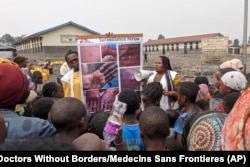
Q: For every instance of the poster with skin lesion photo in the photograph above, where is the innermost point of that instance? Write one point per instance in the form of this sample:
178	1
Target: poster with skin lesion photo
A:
107	66
109	52
129	55
90	54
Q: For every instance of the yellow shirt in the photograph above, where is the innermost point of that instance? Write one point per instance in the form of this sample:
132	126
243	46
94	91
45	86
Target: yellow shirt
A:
76	87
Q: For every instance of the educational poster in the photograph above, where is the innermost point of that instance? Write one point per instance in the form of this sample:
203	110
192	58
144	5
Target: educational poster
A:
107	65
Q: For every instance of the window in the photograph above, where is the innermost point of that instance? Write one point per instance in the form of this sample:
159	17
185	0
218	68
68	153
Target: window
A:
172	47
197	45
167	47
157	48
163	49
177	47
191	46
68	38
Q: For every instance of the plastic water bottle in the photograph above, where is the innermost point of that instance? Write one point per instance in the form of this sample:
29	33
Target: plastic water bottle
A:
113	124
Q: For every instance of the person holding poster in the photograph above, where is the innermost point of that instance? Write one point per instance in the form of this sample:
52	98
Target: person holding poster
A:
71	80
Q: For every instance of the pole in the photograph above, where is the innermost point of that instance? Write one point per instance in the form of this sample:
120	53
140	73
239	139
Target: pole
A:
244	57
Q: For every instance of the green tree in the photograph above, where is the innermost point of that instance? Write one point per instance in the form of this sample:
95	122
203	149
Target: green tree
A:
20	37
161	36
236	42
7	39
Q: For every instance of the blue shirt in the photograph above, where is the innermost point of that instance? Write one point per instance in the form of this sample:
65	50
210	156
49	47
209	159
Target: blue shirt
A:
21	127
27	74
132	138
178	126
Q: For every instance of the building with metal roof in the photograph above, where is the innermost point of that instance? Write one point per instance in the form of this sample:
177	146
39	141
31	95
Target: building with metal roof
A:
52	43
179	45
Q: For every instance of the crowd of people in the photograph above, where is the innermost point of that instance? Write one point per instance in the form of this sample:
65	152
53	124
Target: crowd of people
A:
52	116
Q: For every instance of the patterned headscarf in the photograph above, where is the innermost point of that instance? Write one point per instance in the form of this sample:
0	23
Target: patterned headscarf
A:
235	80
205	132
236	129
204	88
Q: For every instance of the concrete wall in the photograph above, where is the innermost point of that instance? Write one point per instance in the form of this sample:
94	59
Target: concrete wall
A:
49	53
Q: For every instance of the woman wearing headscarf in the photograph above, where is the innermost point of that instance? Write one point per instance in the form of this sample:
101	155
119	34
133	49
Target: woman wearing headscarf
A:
233	81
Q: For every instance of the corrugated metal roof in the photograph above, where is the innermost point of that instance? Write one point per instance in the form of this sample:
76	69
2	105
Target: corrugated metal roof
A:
5	47
193	38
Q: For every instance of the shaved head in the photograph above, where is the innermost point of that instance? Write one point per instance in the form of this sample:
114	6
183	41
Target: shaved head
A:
89	142
66	113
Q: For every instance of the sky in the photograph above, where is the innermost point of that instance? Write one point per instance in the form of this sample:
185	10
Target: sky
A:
171	18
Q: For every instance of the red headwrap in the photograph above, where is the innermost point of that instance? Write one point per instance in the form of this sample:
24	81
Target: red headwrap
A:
13	84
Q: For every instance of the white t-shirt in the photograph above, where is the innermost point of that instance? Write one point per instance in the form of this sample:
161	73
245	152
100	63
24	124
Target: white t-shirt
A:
64	69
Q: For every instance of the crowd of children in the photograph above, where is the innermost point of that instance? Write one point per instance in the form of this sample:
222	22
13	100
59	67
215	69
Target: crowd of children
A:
39	116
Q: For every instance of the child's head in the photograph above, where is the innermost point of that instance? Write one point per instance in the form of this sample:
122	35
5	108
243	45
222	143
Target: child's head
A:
69	114
97	123
186	92
154	125
53	89
201	80
42	106
37	77
151	94
172	117
229	101
131	98
90	142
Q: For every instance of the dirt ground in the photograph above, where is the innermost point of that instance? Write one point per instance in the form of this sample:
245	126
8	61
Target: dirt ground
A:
189	66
